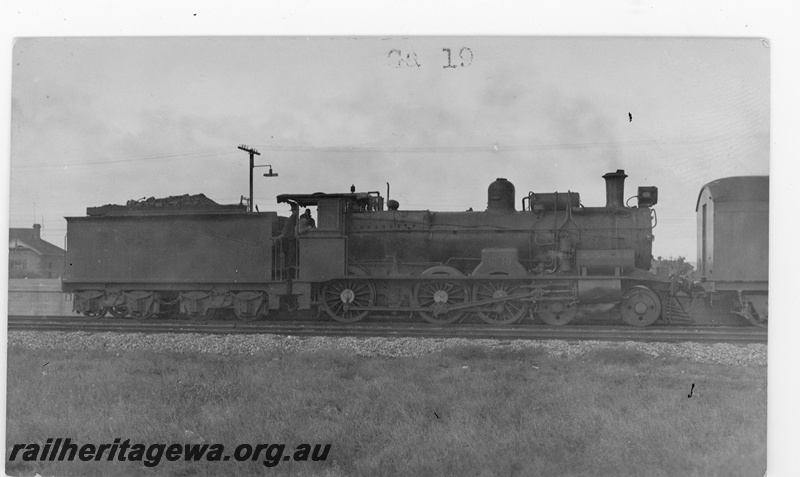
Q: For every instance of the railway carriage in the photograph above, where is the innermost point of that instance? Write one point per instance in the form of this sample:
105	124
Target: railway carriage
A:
733	245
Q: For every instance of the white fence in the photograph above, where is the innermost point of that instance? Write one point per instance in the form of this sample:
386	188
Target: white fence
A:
38	297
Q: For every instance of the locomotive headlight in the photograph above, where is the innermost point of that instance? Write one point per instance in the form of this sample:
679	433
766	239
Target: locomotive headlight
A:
647	196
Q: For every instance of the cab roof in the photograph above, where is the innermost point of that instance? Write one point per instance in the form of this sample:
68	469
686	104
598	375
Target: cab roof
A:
306	200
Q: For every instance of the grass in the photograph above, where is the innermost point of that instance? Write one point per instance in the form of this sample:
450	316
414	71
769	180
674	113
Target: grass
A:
465	411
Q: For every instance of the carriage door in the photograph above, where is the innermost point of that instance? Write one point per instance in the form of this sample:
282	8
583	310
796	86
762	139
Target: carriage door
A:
704	243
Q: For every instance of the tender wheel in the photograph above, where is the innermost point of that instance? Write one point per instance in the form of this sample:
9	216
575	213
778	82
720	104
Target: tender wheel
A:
145	314
556	312
504	312
339	297
244	316
118	311
437	295
95	314
640	306
250	305
197	316
141	315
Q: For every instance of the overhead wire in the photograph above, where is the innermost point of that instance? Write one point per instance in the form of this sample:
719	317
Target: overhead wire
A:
193	154
484	148
229	150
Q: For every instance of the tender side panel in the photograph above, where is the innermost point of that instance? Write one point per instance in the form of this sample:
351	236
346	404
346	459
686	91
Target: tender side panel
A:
214	248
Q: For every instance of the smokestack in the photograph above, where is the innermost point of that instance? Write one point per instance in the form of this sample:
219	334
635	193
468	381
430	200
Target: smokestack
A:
615	188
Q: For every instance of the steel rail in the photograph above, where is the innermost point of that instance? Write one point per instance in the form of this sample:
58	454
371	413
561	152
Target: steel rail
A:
708	334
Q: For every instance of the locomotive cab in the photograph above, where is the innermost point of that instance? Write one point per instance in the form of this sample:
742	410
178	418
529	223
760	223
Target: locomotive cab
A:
322	250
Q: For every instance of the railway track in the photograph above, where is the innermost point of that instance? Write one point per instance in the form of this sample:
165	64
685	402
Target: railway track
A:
709	334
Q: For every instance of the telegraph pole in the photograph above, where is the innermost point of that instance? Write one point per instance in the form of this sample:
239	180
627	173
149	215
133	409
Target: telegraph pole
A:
253	153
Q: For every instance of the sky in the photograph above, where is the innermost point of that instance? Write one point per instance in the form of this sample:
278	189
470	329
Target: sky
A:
104	120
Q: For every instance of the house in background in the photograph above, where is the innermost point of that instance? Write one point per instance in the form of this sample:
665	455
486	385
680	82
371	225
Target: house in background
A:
31	257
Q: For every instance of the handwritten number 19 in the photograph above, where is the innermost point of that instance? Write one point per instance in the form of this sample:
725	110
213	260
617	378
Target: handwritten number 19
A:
399	59
465	54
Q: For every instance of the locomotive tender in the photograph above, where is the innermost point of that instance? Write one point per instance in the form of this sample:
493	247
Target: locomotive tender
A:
548	259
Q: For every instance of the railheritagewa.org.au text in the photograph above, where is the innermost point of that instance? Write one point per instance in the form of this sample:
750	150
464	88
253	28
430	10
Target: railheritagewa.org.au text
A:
60	449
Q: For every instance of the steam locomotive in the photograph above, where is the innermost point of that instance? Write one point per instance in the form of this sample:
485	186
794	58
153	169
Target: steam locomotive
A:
363	256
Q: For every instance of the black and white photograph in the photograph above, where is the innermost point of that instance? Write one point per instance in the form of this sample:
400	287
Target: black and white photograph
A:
399	254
